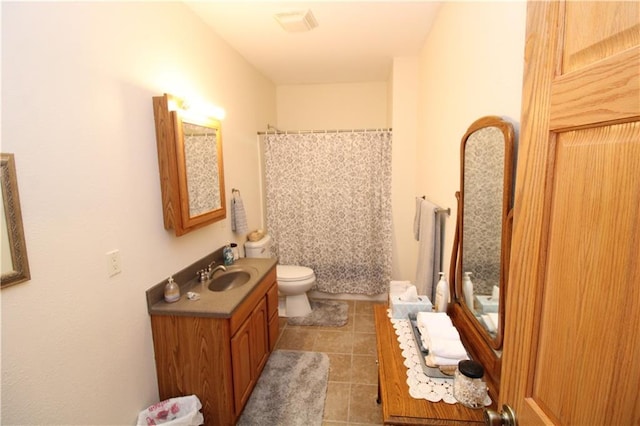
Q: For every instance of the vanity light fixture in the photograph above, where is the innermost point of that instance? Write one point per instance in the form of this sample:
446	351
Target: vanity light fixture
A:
195	109
296	22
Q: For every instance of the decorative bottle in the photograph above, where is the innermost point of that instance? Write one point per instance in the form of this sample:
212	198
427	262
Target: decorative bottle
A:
467	290
171	291
227	254
442	294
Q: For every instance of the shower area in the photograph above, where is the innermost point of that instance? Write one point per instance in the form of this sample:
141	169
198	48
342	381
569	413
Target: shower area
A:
328	205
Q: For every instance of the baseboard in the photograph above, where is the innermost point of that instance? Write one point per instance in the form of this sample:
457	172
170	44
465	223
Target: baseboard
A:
314	294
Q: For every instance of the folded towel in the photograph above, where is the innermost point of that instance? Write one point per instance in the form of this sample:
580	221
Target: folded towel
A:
493	316
447	348
435	333
488	323
416	219
436	361
426	319
238	215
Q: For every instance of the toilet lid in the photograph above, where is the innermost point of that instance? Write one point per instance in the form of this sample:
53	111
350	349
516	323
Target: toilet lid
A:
293	272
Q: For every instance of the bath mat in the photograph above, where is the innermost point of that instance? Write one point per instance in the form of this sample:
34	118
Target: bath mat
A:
290	391
325	313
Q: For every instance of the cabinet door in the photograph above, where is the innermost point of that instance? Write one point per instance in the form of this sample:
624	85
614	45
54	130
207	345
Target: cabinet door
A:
259	337
272	313
243	367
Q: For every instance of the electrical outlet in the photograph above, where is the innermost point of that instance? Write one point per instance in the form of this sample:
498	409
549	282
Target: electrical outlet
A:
113	263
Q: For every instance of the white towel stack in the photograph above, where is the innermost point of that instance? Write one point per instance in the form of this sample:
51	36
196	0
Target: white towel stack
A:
441	338
238	215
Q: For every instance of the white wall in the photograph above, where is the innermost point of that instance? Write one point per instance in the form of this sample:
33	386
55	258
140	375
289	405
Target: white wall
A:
470	66
332	106
405	126
77	83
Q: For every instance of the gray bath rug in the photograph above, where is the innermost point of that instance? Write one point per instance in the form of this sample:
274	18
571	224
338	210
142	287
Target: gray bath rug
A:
326	313
290	391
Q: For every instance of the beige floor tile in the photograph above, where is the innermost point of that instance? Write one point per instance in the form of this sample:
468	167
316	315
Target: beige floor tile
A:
365	307
333	342
353	374
362	405
364	343
339	367
297	339
364	370
364	324
336	406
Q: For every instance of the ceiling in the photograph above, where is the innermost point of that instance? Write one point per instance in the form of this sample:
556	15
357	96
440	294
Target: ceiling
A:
355	41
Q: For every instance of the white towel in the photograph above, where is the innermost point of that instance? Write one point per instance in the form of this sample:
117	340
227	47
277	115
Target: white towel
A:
435	332
425	319
416	219
238	215
447	348
432	360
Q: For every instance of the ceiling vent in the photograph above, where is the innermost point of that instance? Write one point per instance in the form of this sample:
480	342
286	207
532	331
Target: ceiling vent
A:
296	22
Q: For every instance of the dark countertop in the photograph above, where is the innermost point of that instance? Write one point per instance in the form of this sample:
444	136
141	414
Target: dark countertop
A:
211	303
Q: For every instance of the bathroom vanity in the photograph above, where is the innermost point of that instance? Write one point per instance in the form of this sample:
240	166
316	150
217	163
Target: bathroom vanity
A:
217	346
398	407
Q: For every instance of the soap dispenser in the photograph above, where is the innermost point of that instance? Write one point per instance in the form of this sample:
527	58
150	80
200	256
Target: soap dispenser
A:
171	291
442	294
467	290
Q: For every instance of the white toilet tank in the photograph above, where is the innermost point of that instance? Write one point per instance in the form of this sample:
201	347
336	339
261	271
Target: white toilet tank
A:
260	248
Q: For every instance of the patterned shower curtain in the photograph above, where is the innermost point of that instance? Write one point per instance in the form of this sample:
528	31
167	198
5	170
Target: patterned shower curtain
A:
329	206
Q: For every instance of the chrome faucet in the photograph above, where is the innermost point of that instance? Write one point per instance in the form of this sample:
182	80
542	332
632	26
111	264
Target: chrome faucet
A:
212	270
206	273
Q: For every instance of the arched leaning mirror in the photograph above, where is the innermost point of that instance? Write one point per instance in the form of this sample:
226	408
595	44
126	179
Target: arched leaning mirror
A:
191	166
480	258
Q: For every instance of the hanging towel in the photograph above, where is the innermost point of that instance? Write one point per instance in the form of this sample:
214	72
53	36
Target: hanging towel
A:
424	270
238	215
416	219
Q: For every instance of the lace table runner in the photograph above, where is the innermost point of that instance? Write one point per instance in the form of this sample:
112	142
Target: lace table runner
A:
421	386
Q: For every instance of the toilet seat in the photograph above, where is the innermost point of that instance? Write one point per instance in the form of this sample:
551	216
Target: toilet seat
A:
293	273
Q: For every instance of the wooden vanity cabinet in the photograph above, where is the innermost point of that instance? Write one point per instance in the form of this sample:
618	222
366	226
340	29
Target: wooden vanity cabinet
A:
217	359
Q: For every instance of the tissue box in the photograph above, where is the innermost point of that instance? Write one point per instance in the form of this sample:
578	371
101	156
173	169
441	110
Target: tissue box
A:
486	304
401	309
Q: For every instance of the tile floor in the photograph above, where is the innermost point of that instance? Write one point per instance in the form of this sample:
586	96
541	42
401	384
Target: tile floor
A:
353	373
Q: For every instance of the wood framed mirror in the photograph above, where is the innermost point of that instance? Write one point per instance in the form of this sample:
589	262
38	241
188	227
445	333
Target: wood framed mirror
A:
191	166
15	264
482	241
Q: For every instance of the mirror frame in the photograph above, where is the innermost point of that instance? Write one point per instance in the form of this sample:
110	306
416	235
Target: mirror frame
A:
477	339
15	229
169	119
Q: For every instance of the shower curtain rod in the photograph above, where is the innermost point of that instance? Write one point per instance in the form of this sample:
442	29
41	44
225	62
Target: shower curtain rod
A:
273	131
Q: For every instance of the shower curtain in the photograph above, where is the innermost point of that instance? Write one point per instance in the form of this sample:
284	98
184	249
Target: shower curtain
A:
328	199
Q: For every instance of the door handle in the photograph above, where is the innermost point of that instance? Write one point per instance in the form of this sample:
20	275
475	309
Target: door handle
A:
506	417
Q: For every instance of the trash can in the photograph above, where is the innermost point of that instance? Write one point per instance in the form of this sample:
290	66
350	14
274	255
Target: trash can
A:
179	411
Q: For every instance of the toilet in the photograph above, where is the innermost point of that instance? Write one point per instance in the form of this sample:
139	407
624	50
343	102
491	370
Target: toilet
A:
293	281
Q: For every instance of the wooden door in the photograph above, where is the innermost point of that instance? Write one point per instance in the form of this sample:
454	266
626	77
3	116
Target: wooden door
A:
572	342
